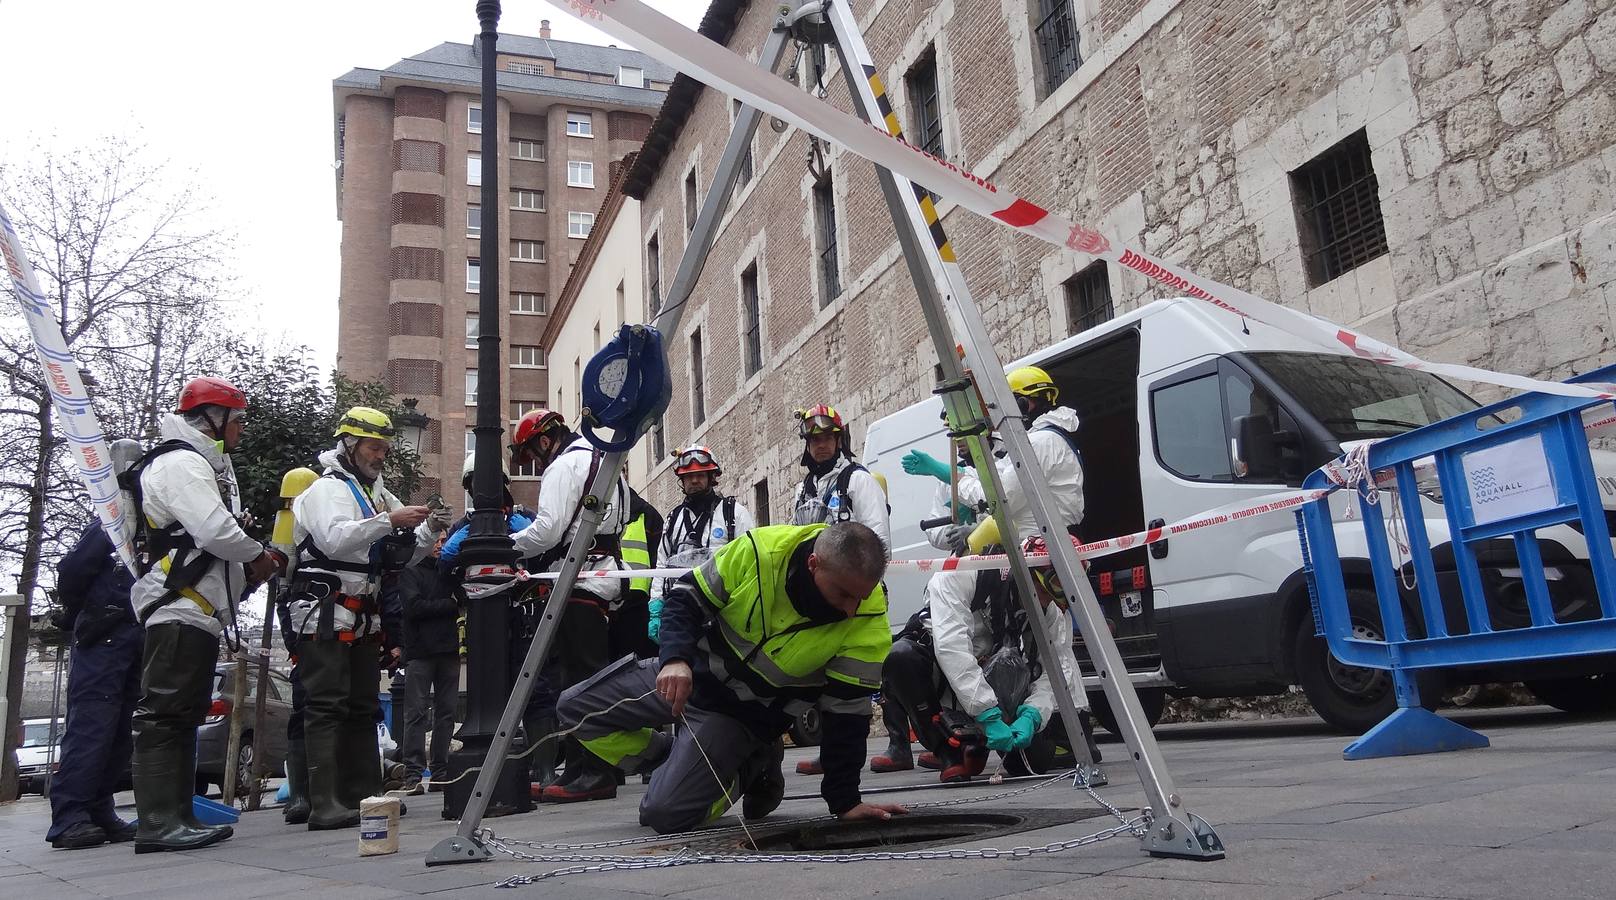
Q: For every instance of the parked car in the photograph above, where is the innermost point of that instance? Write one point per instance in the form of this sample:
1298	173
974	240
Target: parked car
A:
1185	408
39	753
213	738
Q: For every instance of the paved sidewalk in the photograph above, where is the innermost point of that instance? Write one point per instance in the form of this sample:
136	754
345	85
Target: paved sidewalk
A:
1535	814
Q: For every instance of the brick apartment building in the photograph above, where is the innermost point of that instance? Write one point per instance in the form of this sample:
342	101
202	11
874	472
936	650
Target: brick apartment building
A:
1438	174
408	142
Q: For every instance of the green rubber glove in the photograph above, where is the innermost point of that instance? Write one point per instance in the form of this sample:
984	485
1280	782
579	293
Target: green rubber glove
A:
653	628
1000	737
919	462
1028	721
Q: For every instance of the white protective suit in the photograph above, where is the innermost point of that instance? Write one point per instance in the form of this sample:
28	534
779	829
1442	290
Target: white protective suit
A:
556	520
960	638
199	491
1061	466
867	503
341	527
689	539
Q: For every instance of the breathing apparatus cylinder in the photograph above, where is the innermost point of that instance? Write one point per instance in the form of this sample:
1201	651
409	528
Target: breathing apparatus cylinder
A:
293	483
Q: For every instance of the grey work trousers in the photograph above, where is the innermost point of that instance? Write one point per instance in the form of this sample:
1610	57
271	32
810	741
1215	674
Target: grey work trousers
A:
437	677
684	793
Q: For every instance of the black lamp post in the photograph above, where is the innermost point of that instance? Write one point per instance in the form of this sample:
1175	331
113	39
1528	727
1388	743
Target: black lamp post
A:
488	677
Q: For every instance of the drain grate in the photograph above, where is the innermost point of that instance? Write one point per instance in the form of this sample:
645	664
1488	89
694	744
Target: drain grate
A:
917	830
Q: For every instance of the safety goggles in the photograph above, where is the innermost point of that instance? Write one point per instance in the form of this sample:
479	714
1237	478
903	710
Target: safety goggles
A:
695	458
1049	581
819	425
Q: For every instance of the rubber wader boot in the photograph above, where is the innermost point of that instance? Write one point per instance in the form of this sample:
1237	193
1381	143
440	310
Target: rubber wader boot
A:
765	783
1086	723
543	768
164	764
296	810
326	808
163	792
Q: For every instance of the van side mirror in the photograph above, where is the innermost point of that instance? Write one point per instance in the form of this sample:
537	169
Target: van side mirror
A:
1257	447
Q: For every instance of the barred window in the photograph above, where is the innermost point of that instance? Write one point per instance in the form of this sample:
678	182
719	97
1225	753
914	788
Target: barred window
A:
830	278
692	209
1088	298
698	381
417	156
527	251
925	103
1338	210
527	356
1056	37
752	321
416	263
735	107
417	209
525	302
522	68
653	274
528	149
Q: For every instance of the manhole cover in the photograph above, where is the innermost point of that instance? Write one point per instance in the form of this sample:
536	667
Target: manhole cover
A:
916	830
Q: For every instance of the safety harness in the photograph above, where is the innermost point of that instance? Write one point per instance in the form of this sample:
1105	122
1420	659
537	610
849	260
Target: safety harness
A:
153	543
326	589
835	497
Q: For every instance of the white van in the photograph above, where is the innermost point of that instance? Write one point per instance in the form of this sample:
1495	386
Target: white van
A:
1184	408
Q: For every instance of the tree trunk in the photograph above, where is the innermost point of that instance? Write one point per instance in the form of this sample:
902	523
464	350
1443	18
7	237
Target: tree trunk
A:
26	583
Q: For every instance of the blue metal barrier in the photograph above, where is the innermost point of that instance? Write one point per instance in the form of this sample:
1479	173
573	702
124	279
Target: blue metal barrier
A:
1500	483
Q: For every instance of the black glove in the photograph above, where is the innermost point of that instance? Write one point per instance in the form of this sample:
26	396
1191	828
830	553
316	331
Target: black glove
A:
957	539
59	620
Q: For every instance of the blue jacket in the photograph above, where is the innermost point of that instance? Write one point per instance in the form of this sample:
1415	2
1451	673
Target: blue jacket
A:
94	586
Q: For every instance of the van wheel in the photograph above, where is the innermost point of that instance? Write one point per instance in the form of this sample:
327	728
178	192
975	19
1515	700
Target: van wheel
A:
805	732
1154	700
1587	695
1353	699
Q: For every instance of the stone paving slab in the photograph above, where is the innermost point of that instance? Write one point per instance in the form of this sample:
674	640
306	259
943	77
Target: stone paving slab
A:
1535	814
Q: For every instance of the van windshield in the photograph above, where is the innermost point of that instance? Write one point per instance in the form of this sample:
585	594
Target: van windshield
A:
1356	399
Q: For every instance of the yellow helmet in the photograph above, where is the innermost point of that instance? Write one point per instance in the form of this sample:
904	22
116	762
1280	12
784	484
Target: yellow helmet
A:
362	421
1030	381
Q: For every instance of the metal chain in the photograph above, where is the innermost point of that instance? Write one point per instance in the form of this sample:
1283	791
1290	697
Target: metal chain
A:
1138	826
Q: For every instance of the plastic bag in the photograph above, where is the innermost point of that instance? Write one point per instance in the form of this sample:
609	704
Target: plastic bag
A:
1007	672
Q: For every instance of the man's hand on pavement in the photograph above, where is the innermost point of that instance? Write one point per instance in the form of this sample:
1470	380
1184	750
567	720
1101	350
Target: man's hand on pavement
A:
879	811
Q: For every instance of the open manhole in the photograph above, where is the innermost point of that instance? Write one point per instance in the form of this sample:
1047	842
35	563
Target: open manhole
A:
917	830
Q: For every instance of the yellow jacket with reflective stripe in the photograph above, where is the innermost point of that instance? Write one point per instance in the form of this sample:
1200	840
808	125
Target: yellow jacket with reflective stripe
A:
635	545
784	652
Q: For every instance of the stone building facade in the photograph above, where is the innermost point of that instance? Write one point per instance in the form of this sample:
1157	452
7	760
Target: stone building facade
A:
409	142
1438	174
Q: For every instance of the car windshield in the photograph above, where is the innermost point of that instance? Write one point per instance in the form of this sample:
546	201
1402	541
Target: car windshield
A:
1357	399
35	734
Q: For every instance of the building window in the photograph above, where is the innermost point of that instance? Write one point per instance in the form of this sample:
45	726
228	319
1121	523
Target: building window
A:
471	443
474	221
472	331
527	356
1088	298
523	68
751	321
659	441
529	469
653	274
629	76
580	174
474	119
1338	210
1056	37
925	104
830	282
474	275
474	169
531	200
520	408
528	149
746	161
622	303
527	251
698	386
579	124
524	302
690	200
471	387
760	502
579	224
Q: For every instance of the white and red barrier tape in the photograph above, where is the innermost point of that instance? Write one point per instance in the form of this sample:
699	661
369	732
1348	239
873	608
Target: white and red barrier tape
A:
74	414
717	66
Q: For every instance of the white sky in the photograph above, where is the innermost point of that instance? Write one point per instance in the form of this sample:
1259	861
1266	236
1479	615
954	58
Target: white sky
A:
237	97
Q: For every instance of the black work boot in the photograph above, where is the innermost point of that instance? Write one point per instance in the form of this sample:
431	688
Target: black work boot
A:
296	811
163	794
594	780
765	783
80	836
326	807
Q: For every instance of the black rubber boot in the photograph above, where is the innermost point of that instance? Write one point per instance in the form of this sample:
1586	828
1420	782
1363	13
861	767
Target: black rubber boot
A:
296	811
766	786
178	670
593	782
326	807
1086	722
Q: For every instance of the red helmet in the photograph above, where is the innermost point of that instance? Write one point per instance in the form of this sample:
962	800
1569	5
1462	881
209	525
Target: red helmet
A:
207	391
695	459
535	423
820	419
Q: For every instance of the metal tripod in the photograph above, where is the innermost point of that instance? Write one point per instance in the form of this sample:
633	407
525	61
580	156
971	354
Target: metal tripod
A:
1175	830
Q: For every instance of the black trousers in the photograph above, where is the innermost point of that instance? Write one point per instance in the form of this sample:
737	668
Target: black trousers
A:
434	682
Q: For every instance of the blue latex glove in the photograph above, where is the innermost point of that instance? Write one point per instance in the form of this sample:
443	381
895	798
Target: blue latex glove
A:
653	628
1000	737
519	521
919	462
1028	721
